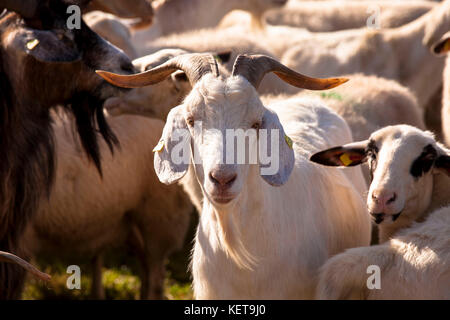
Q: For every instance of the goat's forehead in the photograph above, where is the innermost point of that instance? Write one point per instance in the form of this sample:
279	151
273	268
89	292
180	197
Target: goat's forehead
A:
225	95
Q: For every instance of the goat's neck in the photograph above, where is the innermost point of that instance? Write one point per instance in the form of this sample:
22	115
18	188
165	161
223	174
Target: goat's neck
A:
238	228
193	14
415	61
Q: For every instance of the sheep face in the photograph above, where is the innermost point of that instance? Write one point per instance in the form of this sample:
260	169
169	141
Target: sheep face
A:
402	161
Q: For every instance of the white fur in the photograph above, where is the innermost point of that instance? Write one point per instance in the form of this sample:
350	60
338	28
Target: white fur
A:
87	214
270	241
415	264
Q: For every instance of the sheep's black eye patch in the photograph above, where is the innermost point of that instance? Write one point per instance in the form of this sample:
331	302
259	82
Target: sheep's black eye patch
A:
424	162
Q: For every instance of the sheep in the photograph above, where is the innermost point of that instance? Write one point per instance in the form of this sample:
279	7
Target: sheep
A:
221	40
327	16
197	14
242	239
112	29
40	69
140	10
387	53
369	103
408	169
442	47
86	213
415	264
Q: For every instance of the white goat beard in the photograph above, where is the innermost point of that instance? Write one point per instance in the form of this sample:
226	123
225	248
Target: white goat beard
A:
229	236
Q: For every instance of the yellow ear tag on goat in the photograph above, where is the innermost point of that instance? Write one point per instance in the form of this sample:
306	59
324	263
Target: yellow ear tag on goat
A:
446	46
32	44
288	141
159	146
345	159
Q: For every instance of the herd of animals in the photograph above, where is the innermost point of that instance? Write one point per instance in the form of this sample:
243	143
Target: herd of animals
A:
364	117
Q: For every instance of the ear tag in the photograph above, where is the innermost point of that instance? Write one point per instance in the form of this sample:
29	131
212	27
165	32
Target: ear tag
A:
288	141
447	46
217	58
32	44
159	146
345	159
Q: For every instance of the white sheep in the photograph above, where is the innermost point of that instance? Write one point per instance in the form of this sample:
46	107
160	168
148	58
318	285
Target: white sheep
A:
442	47
261	233
326	16
415	264
87	213
112	29
396	54
408	169
175	16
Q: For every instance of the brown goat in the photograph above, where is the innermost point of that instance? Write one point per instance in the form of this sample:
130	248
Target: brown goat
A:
44	64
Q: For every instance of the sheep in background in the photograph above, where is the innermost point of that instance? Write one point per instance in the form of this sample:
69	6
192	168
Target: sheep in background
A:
415	264
369	103
242	239
40	69
442	47
408	169
112	29
387	53
87	213
326	16
139	10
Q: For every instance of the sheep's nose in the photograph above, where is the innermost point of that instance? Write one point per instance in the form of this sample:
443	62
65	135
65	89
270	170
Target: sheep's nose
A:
383	198
222	179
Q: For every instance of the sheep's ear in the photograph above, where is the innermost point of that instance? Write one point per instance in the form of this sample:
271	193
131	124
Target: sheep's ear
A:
443	164
443	45
349	155
173	152
276	154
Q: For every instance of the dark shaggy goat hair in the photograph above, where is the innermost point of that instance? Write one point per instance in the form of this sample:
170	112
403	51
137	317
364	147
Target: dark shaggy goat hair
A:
26	136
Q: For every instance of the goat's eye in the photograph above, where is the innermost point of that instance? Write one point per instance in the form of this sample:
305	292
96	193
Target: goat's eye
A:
190	121
256	125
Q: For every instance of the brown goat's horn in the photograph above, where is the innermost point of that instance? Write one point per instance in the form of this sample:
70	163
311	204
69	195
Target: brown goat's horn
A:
255	67
26	8
194	65
9	257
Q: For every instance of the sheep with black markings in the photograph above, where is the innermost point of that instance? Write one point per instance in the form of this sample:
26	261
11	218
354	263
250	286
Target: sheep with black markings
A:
408	169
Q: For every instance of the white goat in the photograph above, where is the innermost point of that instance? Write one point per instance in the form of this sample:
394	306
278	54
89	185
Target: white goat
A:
415	264
86	213
255	240
409	171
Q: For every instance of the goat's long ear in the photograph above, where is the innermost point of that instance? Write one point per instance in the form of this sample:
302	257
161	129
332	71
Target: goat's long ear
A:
442	46
349	155
276	152
173	152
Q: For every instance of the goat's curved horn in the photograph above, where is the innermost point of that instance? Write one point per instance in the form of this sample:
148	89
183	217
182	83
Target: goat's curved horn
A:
194	65
255	67
9	257
26	8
